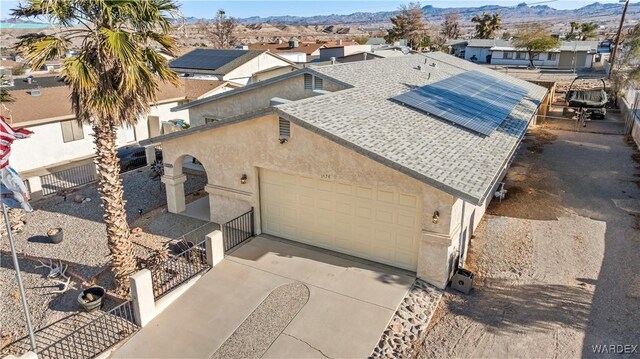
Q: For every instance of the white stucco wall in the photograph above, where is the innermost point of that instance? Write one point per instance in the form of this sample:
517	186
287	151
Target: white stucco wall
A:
497	59
229	152
243	74
45	148
256	99
480	53
327	53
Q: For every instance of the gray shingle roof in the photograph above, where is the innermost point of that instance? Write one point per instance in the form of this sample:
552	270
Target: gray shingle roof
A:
219	62
431	150
488	42
579	46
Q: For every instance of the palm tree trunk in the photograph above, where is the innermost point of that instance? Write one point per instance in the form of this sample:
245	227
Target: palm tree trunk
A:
110	186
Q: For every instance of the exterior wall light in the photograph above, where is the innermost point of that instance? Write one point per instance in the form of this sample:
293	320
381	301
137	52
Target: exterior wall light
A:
243	179
436	216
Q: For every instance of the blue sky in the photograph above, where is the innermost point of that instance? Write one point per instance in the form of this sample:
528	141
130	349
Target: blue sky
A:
240	8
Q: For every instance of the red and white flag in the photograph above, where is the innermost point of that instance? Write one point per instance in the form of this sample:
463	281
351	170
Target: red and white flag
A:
13	192
7	135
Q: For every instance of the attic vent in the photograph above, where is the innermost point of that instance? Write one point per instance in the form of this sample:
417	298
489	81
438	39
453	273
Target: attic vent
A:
308	82
318	84
285	130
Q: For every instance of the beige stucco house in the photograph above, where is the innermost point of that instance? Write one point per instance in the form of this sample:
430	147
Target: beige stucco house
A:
326	158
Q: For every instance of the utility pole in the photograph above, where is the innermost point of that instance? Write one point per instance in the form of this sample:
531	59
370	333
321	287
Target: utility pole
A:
617	42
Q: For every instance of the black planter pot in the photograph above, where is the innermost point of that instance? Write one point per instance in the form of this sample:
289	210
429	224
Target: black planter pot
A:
91	298
55	235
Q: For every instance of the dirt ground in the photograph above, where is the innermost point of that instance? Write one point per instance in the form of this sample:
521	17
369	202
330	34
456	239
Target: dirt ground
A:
556	260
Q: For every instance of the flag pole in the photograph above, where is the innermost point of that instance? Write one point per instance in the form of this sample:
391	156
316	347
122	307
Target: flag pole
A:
16	265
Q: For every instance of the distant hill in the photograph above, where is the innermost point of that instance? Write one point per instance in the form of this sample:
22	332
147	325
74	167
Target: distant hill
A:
509	13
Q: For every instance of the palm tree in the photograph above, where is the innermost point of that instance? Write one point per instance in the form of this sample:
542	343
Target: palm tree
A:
5	96
113	78
487	25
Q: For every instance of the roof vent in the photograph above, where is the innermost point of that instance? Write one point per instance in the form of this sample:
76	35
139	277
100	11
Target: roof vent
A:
333	60
419	67
35	92
339	42
279	41
434	65
293	44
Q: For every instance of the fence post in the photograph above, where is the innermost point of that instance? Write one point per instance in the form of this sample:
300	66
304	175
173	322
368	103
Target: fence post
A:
214	247
150	153
144	305
35	187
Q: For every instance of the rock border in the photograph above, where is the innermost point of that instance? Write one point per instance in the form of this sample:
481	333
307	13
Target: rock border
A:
410	321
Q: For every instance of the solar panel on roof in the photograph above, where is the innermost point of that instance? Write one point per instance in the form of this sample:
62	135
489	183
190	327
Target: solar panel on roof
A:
206	59
473	100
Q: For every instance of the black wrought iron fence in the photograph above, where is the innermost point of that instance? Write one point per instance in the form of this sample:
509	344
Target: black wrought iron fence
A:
80	336
178	269
238	230
69	178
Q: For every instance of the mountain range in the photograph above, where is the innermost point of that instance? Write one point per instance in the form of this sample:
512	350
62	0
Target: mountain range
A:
435	14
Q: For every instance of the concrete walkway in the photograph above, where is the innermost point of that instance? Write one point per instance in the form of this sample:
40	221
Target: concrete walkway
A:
350	304
198	209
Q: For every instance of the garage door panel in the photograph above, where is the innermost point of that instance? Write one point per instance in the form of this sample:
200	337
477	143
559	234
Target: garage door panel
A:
384	216
385	196
364	213
407	219
405	240
408	200
364	192
367	222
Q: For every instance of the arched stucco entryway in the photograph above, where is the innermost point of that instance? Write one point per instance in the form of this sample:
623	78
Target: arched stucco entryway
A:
175	177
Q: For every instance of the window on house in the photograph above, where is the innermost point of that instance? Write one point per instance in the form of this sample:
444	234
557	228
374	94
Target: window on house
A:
521	55
308	82
317	84
210	120
552	56
284	127
71	131
507	55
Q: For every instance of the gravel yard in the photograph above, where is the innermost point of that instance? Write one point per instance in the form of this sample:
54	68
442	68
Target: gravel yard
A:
84	248
556	261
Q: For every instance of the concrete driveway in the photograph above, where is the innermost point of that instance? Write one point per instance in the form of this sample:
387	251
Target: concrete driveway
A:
348	304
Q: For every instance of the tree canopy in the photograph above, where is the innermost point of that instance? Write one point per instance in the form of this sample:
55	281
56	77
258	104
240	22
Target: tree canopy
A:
113	78
588	30
408	24
534	38
487	25
450	27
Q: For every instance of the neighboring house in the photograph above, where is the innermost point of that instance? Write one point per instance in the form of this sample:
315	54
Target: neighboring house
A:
43	106
377	53
272	72
327	158
376	41
479	50
52	65
237	66
569	55
336	52
298	51
456	47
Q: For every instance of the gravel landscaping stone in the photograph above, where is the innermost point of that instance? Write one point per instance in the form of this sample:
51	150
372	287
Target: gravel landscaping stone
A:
402	337
262	327
84	247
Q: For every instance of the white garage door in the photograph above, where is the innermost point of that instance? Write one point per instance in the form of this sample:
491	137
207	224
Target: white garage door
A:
379	225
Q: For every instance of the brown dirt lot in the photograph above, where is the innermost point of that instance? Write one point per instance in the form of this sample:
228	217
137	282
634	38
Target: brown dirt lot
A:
549	280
